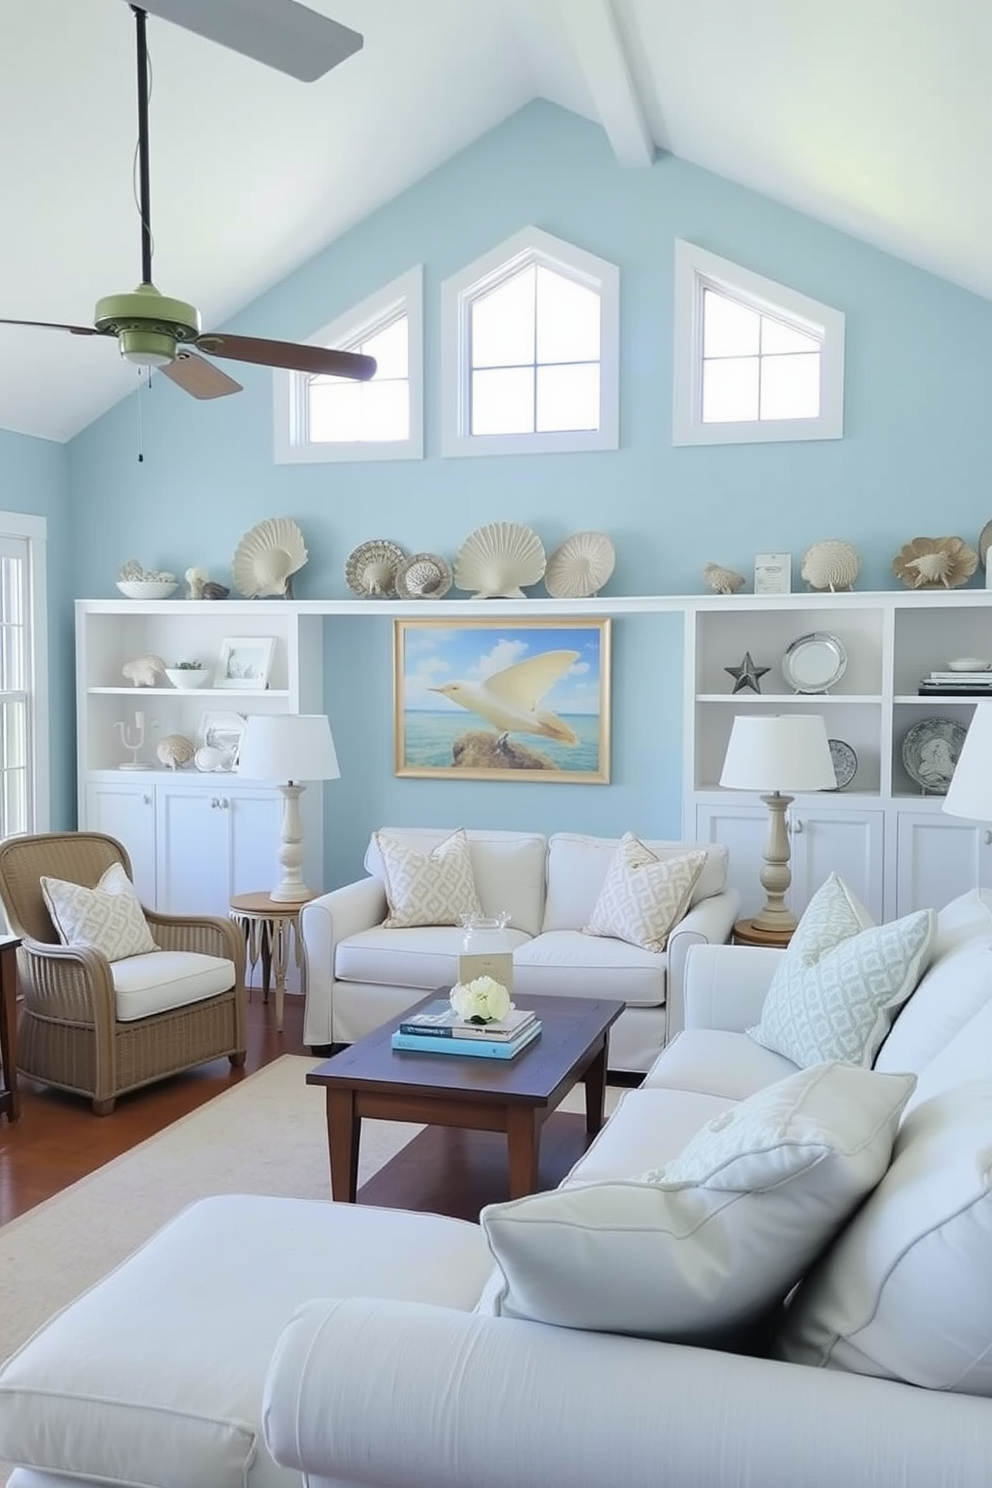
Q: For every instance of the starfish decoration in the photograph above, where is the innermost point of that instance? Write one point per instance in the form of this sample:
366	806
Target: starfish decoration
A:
747	674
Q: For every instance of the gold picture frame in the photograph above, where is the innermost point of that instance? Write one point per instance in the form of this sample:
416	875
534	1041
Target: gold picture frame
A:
502	699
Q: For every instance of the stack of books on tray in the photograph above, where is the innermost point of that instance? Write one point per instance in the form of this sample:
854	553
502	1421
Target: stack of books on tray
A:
438	1029
956	684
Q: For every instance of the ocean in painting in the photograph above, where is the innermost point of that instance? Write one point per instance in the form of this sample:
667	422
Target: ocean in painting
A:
429	737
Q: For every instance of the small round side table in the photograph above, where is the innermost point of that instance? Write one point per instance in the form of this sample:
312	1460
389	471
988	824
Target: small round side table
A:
747	933
272	930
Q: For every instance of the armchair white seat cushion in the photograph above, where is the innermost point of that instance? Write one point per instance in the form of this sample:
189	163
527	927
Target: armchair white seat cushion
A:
160	980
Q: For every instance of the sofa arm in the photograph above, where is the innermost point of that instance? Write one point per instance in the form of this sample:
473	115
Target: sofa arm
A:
406	1395
725	986
709	922
323	923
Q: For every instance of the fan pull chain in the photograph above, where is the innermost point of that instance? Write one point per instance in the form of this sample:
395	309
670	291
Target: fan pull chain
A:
144	380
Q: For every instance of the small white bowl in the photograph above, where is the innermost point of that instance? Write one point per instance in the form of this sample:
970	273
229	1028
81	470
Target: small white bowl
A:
186	680
968	664
147	588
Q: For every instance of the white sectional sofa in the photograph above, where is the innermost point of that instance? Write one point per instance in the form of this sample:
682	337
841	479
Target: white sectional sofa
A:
256	1340
359	974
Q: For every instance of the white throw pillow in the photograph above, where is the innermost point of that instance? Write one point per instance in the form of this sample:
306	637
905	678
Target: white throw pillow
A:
949	995
643	896
842	979
434	888
107	918
717	1236
964	918
905	1291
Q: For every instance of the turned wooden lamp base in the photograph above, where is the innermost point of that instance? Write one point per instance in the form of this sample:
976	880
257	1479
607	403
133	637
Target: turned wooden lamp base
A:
776	875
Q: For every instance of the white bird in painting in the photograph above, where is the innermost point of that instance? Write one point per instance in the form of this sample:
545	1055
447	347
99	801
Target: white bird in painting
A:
509	699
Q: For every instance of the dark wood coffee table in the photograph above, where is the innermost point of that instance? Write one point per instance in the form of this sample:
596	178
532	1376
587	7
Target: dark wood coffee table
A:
514	1096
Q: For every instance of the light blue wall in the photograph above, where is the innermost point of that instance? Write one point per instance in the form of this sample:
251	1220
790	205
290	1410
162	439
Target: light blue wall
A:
913	460
34	480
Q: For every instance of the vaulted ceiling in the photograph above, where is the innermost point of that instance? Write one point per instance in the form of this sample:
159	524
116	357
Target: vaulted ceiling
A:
872	115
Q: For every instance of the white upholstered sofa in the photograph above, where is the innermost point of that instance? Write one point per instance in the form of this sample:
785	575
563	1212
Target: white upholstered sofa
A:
359	974
254	1340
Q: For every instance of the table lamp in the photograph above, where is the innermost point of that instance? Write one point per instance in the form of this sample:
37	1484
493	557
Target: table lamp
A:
775	753
289	748
970	791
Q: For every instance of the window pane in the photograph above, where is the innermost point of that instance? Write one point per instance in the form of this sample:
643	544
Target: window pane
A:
502	323
776	337
729	329
567	397
567	322
503	401
13	768
730	390
335	410
386	410
390	347
790	386
11	589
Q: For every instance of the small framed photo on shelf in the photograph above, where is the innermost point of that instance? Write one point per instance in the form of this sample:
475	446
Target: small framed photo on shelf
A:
220	735
773	573
244	663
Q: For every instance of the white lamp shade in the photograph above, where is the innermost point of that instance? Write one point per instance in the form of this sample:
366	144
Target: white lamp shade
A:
970	790
288	746
779	752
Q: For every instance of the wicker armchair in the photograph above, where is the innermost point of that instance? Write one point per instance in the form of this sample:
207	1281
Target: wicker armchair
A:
70	1035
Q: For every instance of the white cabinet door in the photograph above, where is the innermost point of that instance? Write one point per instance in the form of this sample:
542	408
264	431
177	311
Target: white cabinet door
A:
213	843
938	857
828	840
744	831
126	811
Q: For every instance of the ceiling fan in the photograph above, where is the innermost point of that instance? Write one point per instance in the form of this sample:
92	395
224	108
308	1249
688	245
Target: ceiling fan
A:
153	330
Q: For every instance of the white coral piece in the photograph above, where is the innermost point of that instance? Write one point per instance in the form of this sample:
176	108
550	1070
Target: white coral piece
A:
722	580
144	671
831	565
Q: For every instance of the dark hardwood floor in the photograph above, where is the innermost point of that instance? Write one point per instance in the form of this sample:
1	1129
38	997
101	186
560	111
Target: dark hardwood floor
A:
58	1139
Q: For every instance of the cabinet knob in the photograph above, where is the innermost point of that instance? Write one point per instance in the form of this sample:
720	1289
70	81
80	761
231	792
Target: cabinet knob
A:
214	803
988	839
146	800
797	827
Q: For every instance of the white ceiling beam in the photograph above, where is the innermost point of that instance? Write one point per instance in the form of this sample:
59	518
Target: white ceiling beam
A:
595	37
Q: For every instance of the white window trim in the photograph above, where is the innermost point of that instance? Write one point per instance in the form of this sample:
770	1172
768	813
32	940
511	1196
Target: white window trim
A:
34	530
530	245
290	388
697	270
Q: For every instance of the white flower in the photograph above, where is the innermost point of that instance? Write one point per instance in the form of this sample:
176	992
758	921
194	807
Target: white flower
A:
480	1001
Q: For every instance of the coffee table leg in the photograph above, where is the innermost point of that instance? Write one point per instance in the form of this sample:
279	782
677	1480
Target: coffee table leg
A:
523	1141
595	1082
343	1132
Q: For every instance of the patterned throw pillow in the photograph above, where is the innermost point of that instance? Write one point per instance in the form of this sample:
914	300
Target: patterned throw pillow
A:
108	918
842	980
643	897
435	888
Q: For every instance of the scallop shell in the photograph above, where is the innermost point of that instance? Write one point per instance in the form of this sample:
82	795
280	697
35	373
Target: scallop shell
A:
722	580
175	750
832	564
580	566
424	576
984	539
267	556
144	671
935	563
495	560
371	569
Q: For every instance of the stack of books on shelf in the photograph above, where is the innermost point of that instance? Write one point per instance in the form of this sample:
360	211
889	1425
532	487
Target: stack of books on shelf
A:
438	1029
956	684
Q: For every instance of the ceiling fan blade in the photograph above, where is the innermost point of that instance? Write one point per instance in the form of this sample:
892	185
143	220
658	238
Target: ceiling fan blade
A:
199	378
317	360
281	33
52	325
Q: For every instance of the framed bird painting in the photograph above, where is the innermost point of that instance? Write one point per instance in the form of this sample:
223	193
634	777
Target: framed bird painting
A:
502	699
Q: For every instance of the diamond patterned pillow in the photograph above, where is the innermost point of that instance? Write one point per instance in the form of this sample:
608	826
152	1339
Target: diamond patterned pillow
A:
435	888
108	918
643	897
842	980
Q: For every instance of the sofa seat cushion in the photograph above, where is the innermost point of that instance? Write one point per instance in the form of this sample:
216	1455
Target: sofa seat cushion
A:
167	979
568	963
716	1062
708	1242
578	865
905	1291
155	1375
426	956
508	868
